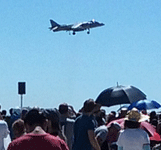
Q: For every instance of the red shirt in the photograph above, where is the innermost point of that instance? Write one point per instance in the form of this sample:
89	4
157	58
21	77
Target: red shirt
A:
38	142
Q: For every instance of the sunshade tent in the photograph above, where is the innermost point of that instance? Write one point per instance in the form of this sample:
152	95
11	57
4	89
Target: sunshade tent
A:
120	95
144	105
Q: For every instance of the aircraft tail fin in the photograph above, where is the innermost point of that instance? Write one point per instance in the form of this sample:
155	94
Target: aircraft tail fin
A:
54	24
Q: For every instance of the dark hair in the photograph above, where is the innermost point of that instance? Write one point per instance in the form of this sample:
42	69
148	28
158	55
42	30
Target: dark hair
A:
53	116
113	112
159	116
4	112
63	108
11	111
34	116
152	114
131	124
103	113
89	105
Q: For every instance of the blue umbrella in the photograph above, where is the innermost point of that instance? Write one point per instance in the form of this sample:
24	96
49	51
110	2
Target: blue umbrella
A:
144	105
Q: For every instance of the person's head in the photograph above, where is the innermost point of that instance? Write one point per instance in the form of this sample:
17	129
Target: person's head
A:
123	112
103	113
89	106
23	113
11	111
114	113
101	134
71	112
63	108
35	118
4	112
99	112
144	112
53	117
133	118
113	132
152	114
110	117
114	127
18	128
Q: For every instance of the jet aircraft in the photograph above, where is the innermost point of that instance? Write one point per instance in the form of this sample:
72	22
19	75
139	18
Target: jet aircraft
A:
75	27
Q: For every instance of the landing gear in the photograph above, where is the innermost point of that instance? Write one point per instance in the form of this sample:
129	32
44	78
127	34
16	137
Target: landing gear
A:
73	33
88	32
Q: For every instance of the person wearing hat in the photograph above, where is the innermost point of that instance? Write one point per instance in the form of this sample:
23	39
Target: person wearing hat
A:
133	137
84	137
36	137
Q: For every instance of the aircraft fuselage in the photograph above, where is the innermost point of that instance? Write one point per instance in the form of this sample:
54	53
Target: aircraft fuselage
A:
75	27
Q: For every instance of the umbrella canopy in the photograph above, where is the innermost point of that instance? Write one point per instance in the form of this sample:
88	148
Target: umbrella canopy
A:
144	105
124	106
120	95
154	136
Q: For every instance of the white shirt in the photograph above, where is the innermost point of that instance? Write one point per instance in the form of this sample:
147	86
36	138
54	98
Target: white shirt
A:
133	139
3	133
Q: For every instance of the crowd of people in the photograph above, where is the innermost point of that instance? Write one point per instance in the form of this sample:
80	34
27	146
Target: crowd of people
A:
90	128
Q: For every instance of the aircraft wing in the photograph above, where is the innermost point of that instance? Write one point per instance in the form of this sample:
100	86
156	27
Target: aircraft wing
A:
77	27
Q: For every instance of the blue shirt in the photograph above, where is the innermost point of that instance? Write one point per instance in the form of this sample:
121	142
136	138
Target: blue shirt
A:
81	126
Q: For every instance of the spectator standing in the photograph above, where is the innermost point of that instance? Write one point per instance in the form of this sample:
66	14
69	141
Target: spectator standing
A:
84	137
110	117
67	122
109	135
152	115
3	113
132	137
37	138
122	113
101	134
158	129
100	117
53	126
15	114
18	128
4	132
24	111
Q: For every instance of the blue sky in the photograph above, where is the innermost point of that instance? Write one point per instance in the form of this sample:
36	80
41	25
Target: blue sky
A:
58	67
